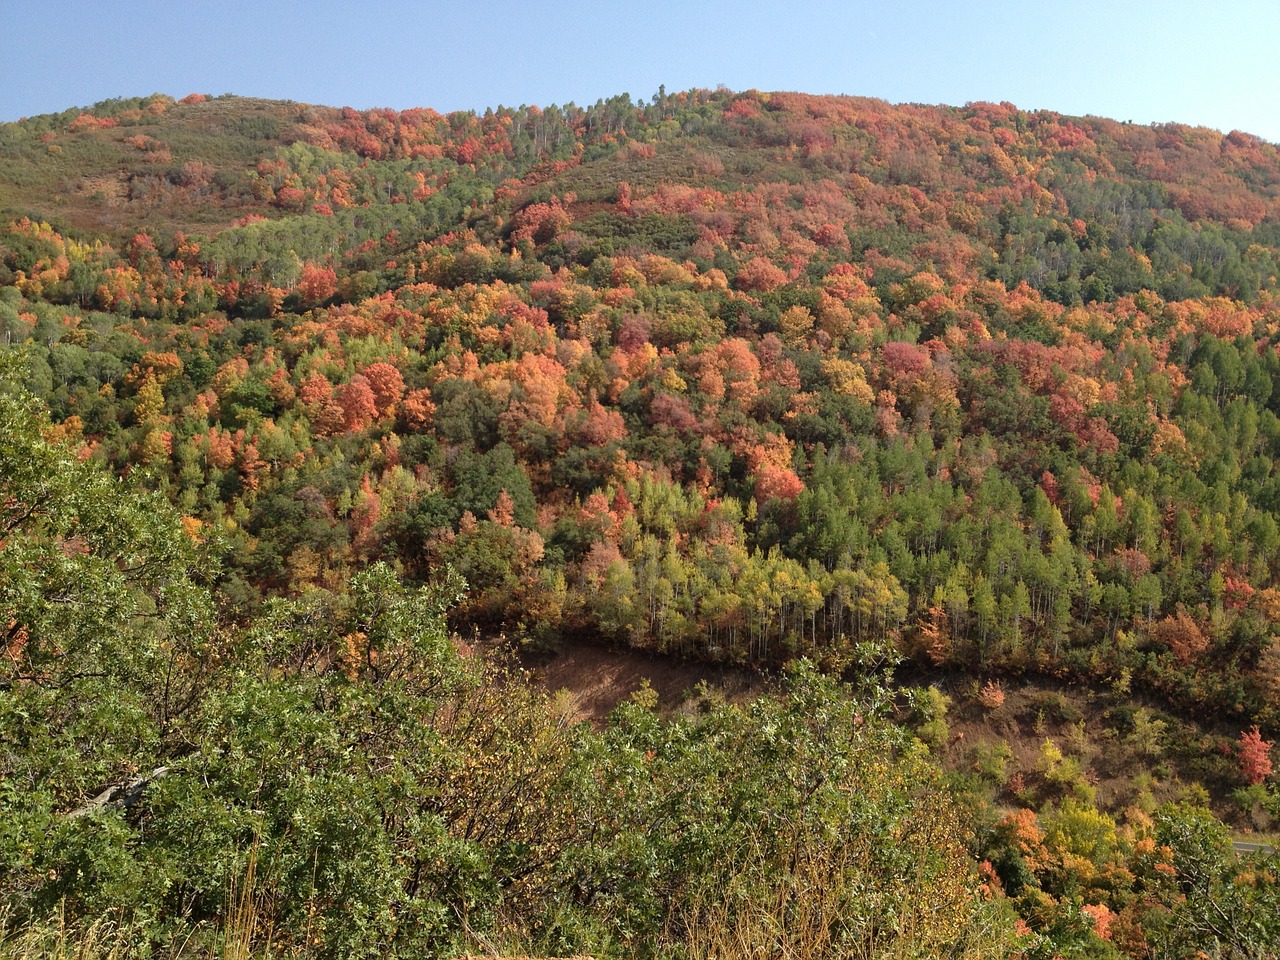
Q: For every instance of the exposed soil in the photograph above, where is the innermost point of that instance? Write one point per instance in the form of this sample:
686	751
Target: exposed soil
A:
1090	725
113	189
1096	730
599	677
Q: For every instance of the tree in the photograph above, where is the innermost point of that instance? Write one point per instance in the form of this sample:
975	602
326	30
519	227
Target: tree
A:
776	483
316	285
818	763
417	409
1182	635
358	402
759	275
387	385
1255	757
106	635
1209	907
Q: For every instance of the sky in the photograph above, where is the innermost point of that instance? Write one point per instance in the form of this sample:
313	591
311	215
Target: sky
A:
1210	63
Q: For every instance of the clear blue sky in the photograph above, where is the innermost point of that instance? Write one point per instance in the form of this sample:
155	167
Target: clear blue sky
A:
1212	62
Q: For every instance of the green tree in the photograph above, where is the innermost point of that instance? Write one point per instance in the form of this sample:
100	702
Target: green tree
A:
107	636
1216	905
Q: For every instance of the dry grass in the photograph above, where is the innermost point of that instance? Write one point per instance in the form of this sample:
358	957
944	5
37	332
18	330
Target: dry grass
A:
826	905
58	940
245	935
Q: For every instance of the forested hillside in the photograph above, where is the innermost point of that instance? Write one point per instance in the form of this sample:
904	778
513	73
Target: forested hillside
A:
740	377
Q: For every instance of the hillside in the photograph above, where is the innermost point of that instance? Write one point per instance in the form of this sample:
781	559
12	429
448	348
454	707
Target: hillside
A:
741	378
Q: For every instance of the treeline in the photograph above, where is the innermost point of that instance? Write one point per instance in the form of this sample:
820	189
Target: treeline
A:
693	463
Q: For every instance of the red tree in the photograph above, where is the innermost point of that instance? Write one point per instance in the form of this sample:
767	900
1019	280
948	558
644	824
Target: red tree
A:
776	483
359	408
759	275
418	409
601	425
387	385
364	516
317	284
315	392
1182	635
1255	756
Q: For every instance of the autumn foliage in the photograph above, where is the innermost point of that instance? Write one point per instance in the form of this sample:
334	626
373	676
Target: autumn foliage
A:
738	377
923	387
1255	757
